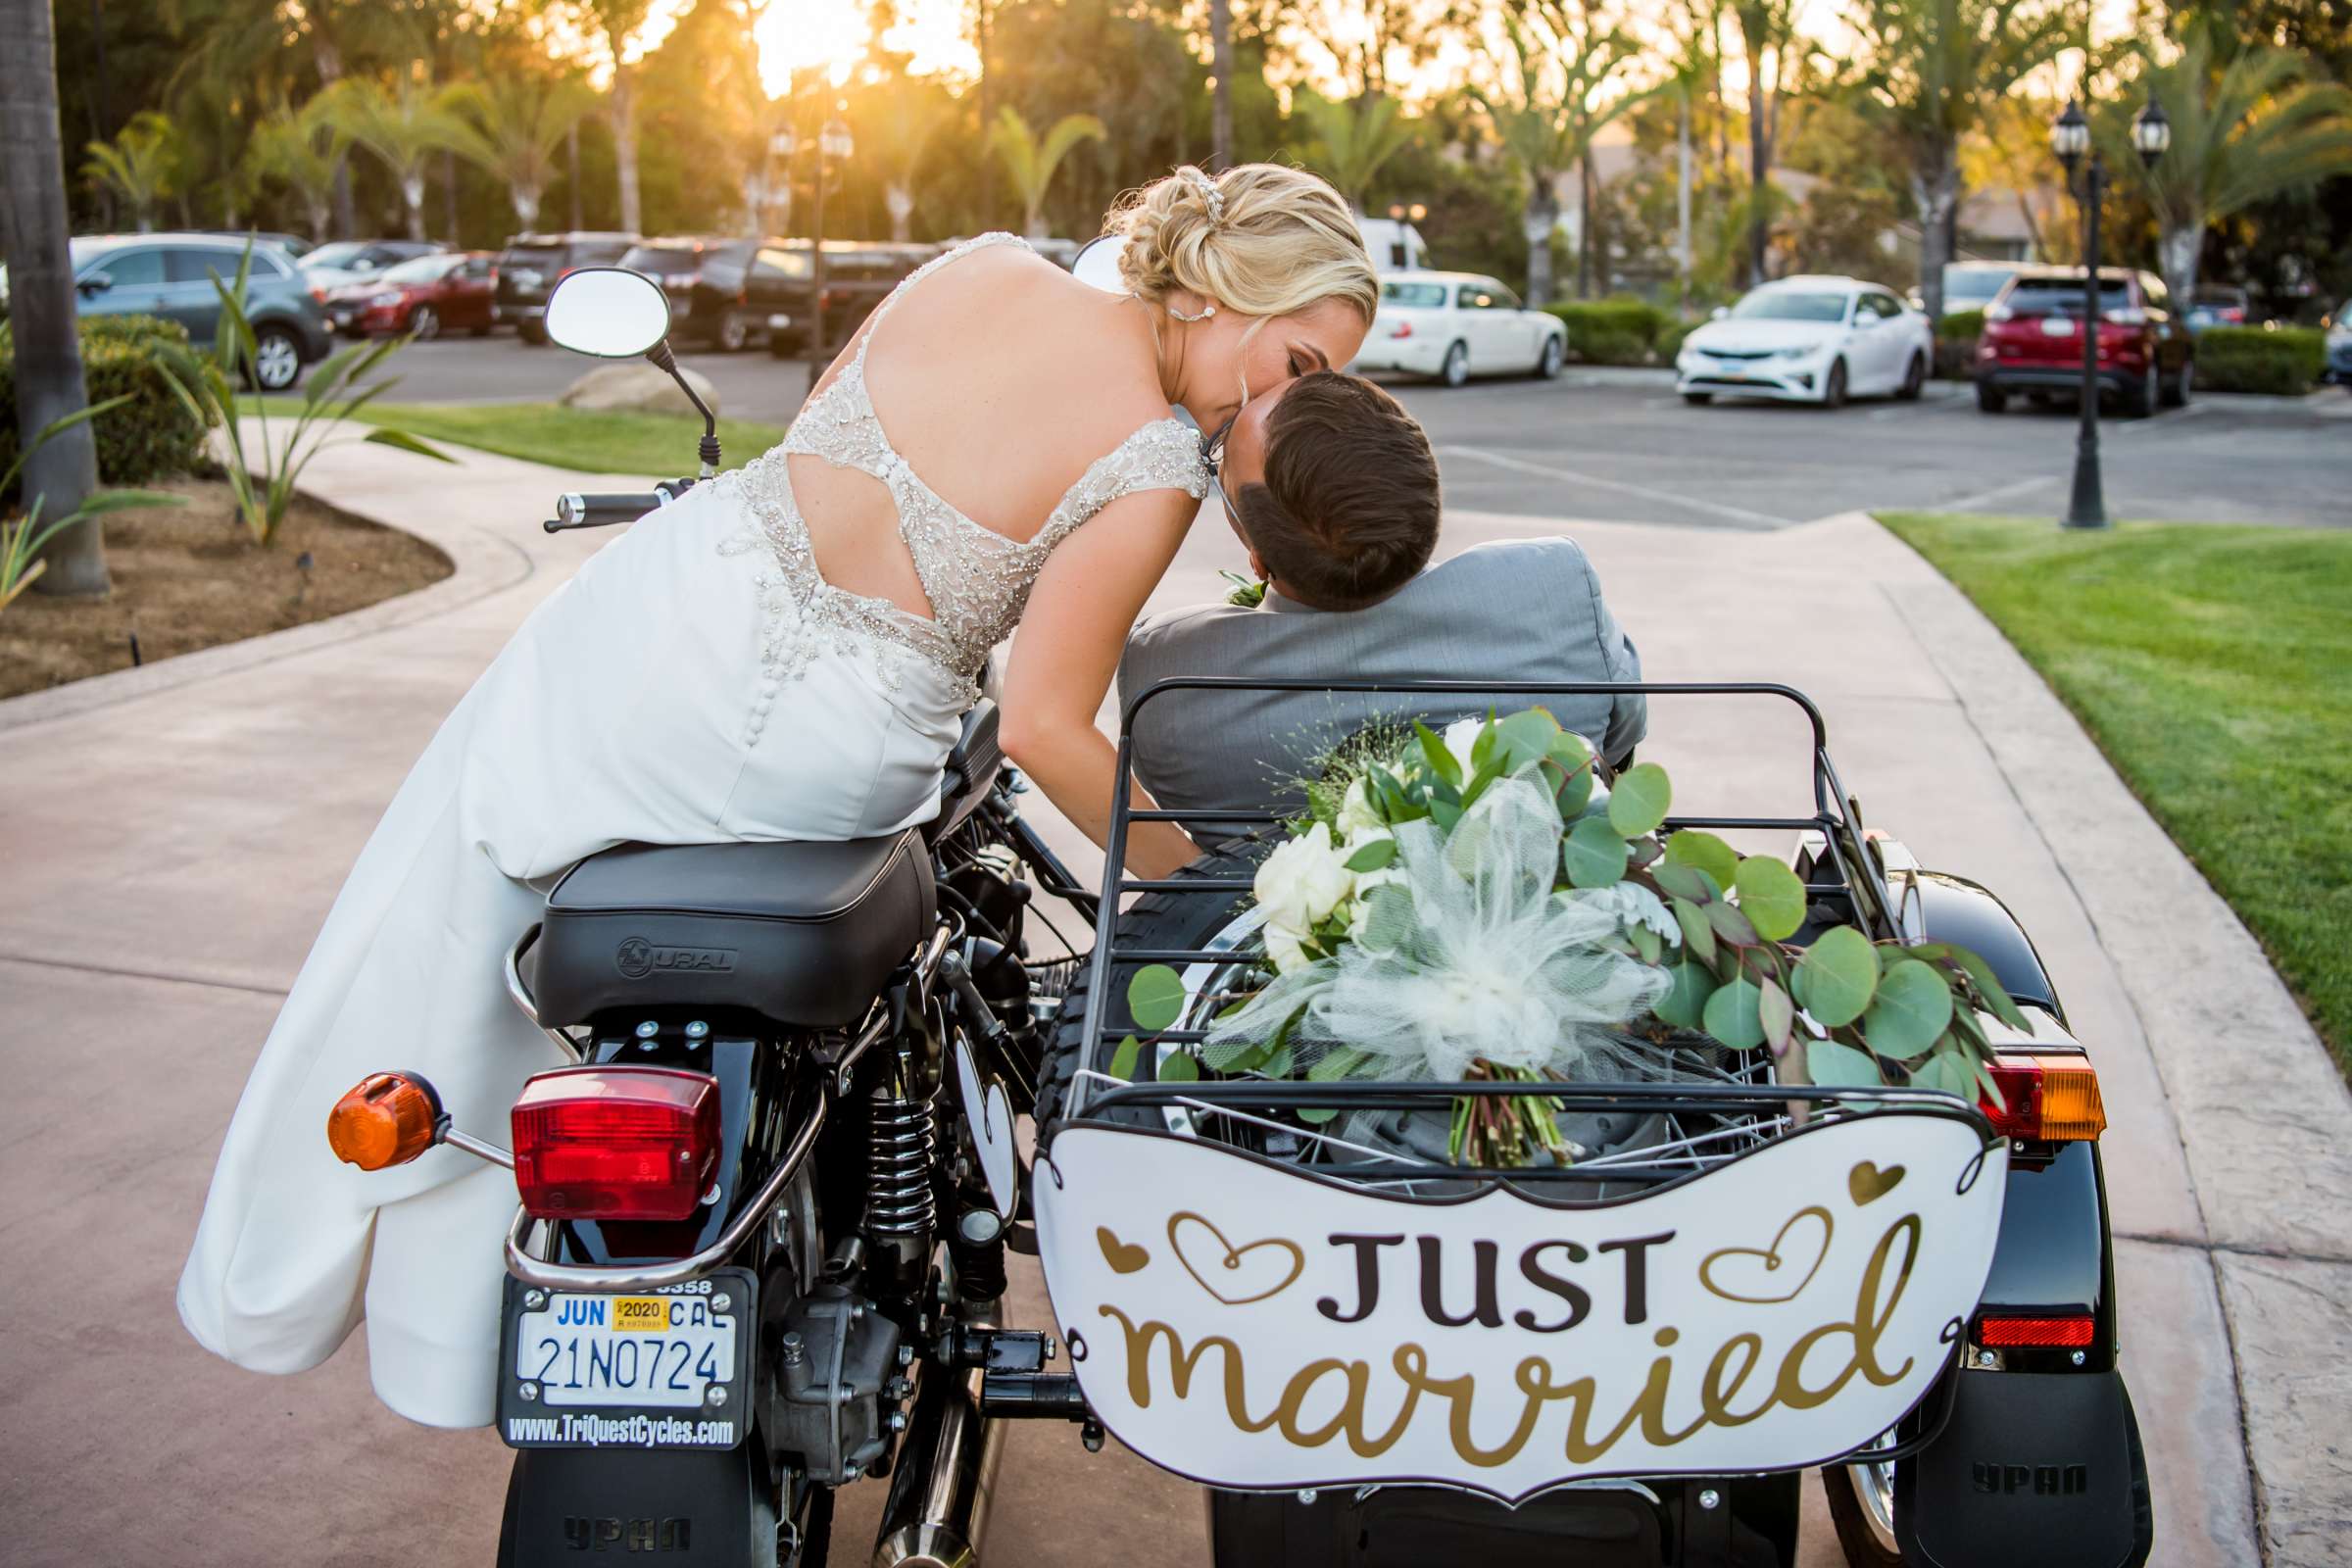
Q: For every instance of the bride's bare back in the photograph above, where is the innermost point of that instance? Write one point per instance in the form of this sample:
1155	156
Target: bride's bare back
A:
998	379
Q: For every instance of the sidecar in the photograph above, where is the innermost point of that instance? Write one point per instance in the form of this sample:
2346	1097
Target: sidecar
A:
1372	1355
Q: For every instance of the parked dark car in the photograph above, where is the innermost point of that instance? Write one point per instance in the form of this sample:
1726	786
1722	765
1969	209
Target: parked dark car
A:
2339	346
2033	341
859	276
170	275
706	281
428	296
2219	306
530	264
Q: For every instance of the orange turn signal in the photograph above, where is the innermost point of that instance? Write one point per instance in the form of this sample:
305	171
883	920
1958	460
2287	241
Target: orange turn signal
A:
388	1120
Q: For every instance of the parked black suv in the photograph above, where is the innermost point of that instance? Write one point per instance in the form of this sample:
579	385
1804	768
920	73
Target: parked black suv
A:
859	276
530	264
706	281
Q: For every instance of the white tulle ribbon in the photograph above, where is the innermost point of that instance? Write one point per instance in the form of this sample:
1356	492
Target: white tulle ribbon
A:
1465	956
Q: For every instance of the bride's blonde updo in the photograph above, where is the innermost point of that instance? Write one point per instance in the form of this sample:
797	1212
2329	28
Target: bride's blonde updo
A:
1260	240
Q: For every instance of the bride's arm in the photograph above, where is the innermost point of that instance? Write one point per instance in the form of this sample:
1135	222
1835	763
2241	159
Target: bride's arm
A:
1064	655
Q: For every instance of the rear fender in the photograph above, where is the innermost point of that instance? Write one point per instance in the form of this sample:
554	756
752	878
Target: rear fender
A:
685	1509
1939	907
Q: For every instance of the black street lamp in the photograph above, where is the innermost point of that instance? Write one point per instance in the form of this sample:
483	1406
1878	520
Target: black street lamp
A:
833	144
2071	140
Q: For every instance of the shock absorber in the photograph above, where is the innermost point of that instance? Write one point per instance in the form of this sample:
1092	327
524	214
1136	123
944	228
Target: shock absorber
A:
901	1215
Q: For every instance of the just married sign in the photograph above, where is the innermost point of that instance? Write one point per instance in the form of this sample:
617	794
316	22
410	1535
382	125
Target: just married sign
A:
1244	1325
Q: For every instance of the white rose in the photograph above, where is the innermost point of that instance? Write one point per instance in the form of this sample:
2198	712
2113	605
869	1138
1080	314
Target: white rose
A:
1303	880
1283	947
1357	814
1461	737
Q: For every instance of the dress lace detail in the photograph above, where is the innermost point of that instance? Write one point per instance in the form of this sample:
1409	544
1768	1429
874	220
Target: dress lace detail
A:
978	580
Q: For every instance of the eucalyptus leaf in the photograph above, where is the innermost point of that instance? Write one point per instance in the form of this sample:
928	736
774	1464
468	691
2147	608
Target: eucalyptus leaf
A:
1945	1071
1155	996
1639	800
1317	1116
1731	926
1698	935
1910	1010
1704	852
1771	896
1686	881
1373	856
1278	1062
1777	1013
1688	986
1837	1067
1122	1061
1732	1013
1593	855
1649	943
1337	1064
1179	1068
1575	792
1526	738
1836	976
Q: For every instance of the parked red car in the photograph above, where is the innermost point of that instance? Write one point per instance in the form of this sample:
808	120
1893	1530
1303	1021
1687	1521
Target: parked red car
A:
448	291
2033	341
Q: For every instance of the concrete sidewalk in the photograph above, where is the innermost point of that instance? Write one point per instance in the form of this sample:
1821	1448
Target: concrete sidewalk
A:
171	843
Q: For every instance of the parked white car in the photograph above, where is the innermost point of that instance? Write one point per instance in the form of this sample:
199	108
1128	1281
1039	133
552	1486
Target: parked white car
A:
1808	340
1454	325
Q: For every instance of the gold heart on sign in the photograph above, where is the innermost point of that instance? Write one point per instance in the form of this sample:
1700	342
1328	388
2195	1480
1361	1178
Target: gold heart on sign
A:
1866	1183
1123	1256
1750	1272
1249	1281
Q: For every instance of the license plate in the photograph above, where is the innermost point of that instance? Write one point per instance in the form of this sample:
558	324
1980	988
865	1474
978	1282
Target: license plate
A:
640	1369
2058	325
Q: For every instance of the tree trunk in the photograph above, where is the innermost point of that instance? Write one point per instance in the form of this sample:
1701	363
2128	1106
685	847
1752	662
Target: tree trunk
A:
1681	203
1587	220
449	194
525	196
412	197
1936	188
1759	174
898	198
33	227
1220	104
571	161
347	215
623	114
2177	249
1541	216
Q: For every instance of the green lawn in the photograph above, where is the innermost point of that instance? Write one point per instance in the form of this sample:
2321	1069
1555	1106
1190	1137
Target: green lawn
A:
2213	666
660	445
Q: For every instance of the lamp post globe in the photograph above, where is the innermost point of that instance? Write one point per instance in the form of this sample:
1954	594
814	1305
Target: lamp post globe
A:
2151	133
2070	136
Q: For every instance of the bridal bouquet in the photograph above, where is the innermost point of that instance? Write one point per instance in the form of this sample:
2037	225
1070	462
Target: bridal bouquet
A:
1472	906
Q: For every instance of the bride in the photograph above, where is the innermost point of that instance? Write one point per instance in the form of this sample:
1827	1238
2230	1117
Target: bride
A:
784	653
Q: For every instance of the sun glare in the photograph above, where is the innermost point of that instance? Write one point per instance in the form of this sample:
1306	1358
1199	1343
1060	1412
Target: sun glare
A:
797	34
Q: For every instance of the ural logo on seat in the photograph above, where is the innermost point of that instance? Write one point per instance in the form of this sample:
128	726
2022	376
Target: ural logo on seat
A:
637	957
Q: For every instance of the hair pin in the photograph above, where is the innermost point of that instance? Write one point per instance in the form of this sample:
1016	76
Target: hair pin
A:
1208	192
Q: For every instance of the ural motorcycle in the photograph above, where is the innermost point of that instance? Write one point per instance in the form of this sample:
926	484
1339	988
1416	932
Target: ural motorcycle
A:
760	1248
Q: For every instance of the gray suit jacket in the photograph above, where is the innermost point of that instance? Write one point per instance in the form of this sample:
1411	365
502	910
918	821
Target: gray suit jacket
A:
1514	610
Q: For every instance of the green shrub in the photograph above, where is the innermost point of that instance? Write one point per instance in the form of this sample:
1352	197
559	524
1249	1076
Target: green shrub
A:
1956	335
1669	342
147	438
2258	359
1611	332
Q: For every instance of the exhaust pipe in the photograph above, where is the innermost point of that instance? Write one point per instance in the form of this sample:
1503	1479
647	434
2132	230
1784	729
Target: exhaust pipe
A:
937	1512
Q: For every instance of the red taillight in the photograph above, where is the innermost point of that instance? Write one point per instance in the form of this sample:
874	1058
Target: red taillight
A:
2046	1100
2033	1332
1401	329
615	1143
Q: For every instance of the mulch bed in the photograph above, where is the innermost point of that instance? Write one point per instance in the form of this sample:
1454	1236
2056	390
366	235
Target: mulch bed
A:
189	578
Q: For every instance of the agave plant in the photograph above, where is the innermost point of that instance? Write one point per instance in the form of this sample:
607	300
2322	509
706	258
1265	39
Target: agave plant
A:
21	541
263	472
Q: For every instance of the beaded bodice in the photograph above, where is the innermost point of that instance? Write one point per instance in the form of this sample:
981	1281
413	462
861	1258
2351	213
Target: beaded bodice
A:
978	580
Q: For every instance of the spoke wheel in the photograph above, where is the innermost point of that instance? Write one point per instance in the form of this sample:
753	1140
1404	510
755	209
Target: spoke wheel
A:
1861	1499
734	332
425	323
277	359
1457	366
1915	379
1833	393
1554	356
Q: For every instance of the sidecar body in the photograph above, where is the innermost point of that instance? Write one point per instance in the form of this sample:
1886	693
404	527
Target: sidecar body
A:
1375	1356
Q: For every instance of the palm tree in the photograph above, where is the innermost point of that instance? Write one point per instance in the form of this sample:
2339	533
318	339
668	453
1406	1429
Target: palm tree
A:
34	228
1547	108
1030	164
301	149
517	121
402	128
137	165
1930	70
1767	38
898	130
620	22
2256	128
1357	139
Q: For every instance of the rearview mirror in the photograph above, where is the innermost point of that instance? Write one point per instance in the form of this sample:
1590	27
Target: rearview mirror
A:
1719	313
93	283
1098	262
609	312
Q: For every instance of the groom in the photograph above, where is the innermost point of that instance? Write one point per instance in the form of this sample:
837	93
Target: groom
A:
1333	491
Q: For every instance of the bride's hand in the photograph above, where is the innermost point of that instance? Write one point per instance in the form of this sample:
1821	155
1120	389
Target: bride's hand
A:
1063	657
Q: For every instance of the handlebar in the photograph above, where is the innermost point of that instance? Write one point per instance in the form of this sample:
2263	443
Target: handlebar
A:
577	511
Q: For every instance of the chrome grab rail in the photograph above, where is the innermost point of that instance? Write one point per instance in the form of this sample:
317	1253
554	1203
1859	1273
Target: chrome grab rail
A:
653	1276
520	994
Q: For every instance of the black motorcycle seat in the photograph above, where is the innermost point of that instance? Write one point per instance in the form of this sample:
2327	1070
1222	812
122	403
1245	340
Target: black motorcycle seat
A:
804	935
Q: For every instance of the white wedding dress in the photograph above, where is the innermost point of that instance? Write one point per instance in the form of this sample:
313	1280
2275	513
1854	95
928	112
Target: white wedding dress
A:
697	681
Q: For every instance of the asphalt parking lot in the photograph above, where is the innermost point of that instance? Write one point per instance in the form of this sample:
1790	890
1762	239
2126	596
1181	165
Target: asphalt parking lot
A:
1620	445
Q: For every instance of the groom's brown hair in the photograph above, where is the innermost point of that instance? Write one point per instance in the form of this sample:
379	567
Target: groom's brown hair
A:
1347	513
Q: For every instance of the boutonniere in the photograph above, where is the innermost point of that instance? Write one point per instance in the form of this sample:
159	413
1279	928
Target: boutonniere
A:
1248	594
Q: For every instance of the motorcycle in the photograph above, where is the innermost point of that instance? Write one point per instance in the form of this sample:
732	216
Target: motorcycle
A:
760	1247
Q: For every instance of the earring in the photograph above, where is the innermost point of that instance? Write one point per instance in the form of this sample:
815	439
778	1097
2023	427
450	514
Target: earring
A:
1207	311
